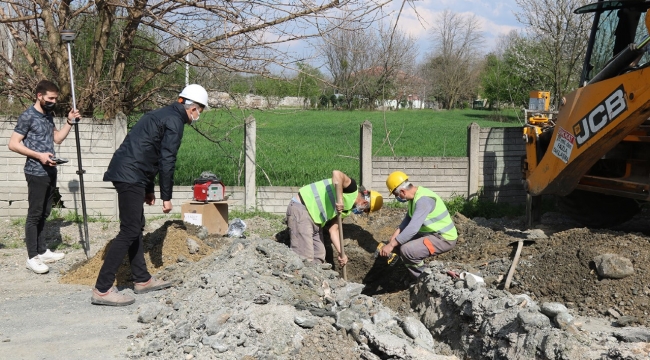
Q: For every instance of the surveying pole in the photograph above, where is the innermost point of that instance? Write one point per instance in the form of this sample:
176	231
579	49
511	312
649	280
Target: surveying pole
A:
68	36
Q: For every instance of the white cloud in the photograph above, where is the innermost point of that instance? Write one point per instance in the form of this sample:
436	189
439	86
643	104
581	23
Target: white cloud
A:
496	18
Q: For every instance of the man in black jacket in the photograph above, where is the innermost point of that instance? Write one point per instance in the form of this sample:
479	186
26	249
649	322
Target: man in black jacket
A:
149	149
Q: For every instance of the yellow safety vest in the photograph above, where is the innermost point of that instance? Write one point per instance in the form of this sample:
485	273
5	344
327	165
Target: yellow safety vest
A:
438	220
320	201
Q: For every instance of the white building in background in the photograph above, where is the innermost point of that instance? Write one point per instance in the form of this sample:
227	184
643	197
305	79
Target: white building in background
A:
412	102
223	99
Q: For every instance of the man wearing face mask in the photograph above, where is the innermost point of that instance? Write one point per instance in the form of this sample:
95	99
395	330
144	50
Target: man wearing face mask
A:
315	207
149	149
426	230
34	137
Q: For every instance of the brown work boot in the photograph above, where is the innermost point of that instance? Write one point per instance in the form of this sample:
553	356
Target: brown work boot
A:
111	298
152	285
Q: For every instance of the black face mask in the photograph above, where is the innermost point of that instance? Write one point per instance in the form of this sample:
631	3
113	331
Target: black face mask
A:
48	106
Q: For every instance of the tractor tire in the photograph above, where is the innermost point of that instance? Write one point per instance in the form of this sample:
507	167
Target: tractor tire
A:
597	210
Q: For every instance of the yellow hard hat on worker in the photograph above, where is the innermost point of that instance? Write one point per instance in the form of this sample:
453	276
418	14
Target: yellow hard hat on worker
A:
374	199
395	179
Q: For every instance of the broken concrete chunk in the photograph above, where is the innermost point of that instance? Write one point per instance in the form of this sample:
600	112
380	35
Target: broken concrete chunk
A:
391	346
634	334
381	316
533	319
203	233
355	331
613	266
551	309
192	246
416	330
305	322
214	322
345	319
181	332
625	320
149	312
472	281
564	320
523	301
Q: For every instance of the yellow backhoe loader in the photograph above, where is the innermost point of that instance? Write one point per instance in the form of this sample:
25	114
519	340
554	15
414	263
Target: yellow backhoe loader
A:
594	152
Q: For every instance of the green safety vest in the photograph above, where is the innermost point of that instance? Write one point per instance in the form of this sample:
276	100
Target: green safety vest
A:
320	201
438	221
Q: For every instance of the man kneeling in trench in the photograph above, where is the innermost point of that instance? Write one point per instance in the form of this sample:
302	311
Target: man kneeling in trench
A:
426	230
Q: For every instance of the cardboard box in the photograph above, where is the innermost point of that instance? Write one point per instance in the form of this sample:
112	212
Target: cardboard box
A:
212	215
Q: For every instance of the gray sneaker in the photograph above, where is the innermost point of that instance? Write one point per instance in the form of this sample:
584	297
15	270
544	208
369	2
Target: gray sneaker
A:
151	285
111	298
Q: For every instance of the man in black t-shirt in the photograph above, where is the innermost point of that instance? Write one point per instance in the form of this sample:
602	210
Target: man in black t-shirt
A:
34	137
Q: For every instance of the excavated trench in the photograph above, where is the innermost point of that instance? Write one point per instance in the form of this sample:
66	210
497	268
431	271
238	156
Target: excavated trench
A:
607	318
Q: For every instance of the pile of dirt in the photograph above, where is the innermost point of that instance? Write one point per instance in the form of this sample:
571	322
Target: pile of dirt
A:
165	246
559	267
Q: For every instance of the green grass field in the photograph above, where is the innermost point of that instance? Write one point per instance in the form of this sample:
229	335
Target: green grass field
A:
297	147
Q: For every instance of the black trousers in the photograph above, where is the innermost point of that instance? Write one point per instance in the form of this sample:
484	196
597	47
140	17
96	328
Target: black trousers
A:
40	191
129	240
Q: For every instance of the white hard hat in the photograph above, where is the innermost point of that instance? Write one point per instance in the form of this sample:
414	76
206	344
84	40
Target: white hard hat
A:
195	93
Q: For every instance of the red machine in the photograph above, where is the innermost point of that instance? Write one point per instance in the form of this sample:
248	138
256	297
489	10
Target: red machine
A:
208	188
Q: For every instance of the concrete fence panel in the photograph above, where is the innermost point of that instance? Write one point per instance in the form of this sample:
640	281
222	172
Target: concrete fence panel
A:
491	168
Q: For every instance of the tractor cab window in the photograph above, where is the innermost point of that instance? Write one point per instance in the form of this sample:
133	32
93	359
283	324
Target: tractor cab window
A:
619	23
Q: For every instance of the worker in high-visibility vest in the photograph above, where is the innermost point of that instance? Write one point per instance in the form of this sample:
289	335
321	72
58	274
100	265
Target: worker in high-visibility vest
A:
315	207
426	230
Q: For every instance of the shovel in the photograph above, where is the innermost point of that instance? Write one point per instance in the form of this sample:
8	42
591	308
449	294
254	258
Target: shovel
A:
340	224
520	244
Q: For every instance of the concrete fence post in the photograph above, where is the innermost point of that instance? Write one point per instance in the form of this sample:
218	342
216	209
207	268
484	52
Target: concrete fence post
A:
473	152
365	154
249	166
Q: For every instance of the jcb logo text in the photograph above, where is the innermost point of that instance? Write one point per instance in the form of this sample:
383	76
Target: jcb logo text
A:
603	114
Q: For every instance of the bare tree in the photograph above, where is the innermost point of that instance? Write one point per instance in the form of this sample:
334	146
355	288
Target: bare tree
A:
346	48
365	62
6	52
393	61
563	36
454	63
130	50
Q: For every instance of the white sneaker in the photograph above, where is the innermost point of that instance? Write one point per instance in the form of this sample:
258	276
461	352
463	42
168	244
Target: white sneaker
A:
37	266
49	256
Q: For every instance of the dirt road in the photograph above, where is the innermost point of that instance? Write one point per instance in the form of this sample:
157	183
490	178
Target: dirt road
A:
42	319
